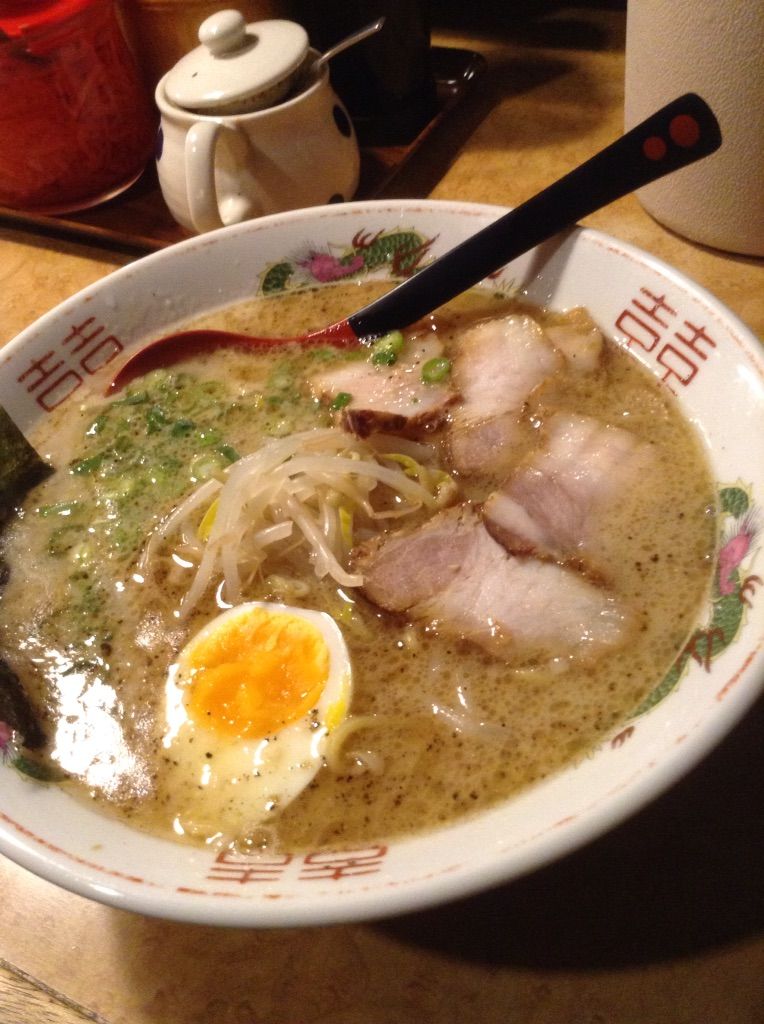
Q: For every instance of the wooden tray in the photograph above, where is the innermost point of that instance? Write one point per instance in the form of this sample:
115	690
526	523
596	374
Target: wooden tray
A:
139	220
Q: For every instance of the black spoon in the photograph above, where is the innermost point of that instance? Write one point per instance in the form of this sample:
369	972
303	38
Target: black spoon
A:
678	134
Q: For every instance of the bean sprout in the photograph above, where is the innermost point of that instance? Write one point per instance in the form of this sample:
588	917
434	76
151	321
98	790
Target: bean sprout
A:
307	487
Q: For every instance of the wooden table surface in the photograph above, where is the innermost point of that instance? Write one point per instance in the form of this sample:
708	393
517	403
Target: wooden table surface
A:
659	922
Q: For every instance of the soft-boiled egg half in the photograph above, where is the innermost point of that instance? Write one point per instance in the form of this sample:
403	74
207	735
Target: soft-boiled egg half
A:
250	702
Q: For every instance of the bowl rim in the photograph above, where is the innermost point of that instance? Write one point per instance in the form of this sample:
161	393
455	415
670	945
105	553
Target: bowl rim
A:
399	207
381	902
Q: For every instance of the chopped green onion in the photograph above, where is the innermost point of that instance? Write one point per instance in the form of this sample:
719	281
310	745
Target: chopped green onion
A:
208	436
91	464
133	398
156	418
59	508
182	427
229	452
385	351
435	370
203	466
96	426
341	399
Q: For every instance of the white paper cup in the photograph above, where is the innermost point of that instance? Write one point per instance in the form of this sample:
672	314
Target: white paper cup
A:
716	50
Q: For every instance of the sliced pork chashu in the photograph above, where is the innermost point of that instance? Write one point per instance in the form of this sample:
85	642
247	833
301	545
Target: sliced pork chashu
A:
554	503
496	367
393	398
576	336
451	573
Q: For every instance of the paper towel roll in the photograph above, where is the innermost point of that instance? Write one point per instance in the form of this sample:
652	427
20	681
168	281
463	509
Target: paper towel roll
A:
716	49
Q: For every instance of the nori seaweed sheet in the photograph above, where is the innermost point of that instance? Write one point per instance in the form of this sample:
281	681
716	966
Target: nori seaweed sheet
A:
17	711
21	468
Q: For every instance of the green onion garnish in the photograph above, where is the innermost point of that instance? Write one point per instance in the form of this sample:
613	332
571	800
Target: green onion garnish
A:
436	370
340	400
385	350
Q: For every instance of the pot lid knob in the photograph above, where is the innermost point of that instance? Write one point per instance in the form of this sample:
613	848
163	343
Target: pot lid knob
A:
224	32
239	66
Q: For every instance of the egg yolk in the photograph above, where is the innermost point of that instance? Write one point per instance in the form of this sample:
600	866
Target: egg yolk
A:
254	674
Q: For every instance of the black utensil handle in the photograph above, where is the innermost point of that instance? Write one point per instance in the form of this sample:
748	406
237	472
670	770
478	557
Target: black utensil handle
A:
676	135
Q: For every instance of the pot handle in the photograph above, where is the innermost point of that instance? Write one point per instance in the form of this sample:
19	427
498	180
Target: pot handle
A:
200	175
204	204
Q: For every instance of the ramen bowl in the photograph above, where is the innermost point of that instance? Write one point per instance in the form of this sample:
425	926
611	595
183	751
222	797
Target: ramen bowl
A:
681	333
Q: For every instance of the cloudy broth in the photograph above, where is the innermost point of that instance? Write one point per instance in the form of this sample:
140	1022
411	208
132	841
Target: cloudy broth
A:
445	728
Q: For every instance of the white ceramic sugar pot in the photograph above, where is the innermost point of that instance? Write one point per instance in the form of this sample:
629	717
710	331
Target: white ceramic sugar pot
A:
251	125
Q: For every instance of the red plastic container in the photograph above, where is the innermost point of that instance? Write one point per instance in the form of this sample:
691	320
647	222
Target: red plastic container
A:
77	125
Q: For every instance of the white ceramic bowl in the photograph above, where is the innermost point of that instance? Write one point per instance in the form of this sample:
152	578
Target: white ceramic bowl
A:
711	360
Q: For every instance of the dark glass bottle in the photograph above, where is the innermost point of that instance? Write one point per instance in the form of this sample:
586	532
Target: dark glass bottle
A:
386	82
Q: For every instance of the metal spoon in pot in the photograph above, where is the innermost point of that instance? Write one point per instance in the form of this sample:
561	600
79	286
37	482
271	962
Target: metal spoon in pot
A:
678	134
355	37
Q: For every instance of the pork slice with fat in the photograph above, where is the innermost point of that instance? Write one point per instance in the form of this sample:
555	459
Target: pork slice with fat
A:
388	398
553	504
496	366
451	574
578	338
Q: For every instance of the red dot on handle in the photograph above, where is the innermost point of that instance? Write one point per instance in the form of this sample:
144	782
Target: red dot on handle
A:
684	130
654	148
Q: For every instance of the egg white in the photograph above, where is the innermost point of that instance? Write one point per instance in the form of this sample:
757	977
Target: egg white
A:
222	787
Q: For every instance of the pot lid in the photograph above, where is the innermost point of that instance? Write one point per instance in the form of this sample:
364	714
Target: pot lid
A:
236	61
